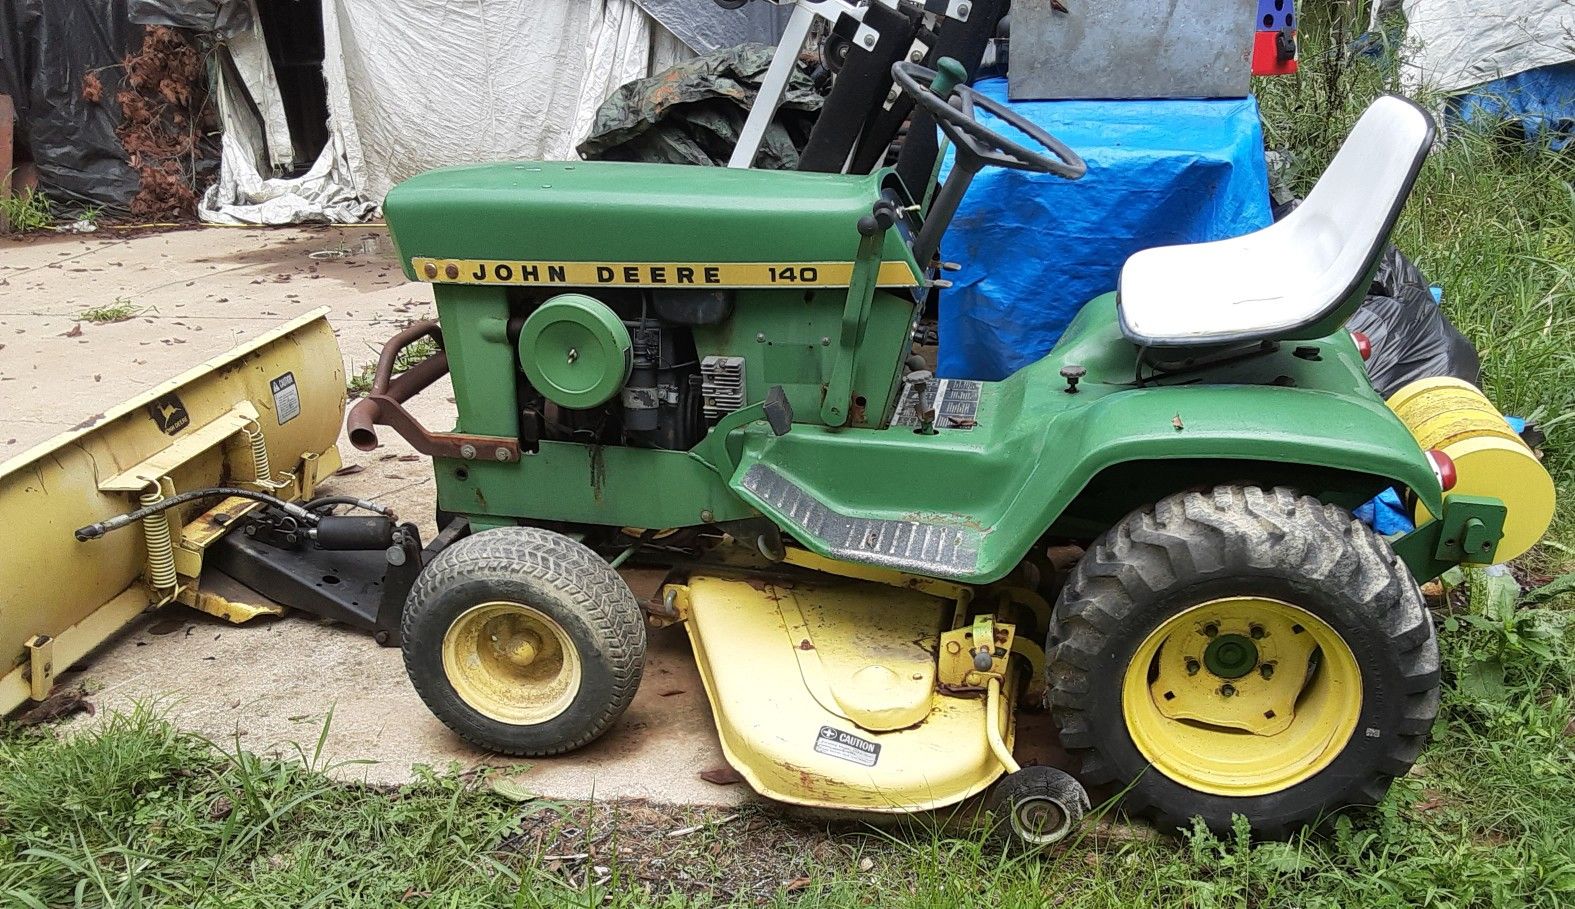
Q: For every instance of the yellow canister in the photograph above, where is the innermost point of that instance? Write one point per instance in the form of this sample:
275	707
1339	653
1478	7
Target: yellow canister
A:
1454	417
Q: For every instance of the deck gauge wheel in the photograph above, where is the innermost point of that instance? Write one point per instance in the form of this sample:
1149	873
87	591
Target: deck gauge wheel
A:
1040	806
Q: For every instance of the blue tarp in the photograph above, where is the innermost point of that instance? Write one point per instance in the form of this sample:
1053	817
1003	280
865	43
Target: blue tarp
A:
1541	100
1034	247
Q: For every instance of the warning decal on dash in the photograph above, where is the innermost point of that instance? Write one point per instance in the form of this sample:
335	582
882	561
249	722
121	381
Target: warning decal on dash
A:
847	746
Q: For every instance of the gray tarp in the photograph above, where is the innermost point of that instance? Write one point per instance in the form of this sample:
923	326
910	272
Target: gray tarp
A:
501	80
225	18
1455	44
706	27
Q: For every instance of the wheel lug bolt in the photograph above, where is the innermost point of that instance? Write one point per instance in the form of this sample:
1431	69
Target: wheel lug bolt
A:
1266	670
1257	632
1192	667
1210	630
1228	690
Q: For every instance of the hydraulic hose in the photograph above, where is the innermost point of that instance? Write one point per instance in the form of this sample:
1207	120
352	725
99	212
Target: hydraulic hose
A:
94	531
322	502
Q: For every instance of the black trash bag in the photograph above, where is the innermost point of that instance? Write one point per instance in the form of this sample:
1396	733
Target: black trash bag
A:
693	112
225	18
46	48
1412	338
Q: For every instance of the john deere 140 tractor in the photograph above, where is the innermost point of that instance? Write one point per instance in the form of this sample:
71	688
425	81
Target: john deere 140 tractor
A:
714	369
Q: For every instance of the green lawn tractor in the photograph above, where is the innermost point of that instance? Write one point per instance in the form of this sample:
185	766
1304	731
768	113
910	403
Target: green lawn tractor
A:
1149	531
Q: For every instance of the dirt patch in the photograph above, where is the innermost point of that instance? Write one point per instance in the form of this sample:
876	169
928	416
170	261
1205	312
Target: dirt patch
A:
741	855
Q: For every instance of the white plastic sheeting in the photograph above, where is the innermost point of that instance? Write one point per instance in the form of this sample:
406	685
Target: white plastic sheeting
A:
1461	43
431	83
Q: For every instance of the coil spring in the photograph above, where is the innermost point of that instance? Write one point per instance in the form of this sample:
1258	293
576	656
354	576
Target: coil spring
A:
262	470
161	546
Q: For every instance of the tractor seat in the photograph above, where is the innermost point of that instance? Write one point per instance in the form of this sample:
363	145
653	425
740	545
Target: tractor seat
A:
1299	277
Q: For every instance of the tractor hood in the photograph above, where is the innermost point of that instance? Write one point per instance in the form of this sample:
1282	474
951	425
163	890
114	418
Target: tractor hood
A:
621	215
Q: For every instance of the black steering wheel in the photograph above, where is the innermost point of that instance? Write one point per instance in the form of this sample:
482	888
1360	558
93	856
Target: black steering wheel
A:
942	93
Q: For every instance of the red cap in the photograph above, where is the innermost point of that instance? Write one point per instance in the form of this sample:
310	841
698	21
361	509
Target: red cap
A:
1443	468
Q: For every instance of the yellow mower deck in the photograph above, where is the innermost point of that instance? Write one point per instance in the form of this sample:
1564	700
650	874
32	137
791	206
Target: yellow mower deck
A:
274	403
825	692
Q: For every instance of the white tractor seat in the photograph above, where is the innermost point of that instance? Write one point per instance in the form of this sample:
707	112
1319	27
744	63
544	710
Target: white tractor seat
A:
1286	281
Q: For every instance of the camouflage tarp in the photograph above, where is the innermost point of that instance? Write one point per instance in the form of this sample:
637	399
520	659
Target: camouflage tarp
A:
693	113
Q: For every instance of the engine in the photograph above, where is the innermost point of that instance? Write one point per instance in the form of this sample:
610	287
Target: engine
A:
621	368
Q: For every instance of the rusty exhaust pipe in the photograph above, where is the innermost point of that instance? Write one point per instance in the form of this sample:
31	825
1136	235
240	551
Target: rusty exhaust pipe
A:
384	405
369	411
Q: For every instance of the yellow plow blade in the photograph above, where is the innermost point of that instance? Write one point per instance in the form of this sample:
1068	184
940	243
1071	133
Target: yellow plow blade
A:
264	416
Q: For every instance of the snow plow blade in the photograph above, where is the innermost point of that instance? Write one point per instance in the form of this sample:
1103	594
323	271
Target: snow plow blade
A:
264	417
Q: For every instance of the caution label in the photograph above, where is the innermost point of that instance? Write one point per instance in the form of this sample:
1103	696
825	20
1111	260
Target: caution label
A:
847	746
286	397
653	274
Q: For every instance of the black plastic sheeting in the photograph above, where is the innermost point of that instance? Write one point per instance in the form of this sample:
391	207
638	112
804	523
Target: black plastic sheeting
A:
225	18
1412	338
46	47
692	113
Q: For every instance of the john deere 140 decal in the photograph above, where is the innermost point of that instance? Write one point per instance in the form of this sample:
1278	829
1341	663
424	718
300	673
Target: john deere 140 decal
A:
654	274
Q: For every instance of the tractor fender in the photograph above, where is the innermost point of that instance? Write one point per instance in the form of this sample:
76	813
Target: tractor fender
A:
1133	448
969	506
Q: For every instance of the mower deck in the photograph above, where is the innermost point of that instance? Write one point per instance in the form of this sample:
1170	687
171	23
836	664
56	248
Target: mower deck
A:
825	693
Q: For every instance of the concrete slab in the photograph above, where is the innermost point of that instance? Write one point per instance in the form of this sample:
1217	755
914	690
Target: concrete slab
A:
270	685
195	293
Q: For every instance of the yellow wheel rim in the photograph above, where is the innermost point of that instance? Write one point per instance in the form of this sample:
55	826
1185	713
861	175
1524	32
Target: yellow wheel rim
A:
1242	696
511	662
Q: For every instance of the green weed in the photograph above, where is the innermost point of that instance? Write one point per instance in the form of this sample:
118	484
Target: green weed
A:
119	311
25	211
1491	219
360	382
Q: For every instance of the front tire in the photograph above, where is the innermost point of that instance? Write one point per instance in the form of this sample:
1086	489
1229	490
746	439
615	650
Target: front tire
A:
1243	651
523	641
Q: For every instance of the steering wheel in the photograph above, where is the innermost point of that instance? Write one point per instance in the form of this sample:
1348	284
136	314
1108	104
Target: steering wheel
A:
943	94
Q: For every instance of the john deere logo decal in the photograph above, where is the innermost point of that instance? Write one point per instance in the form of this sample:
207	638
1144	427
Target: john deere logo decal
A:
169	414
654	274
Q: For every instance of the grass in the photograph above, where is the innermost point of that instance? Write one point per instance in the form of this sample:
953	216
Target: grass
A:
25	211
119	311
360	382
135	813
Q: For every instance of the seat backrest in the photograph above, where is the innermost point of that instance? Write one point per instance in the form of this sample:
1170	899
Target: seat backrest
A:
1300	277
1360	197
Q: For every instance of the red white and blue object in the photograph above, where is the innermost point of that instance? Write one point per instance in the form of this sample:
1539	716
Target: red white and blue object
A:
1274	44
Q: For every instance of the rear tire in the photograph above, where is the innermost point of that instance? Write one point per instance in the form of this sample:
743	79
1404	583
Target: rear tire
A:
523	641
1154	686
